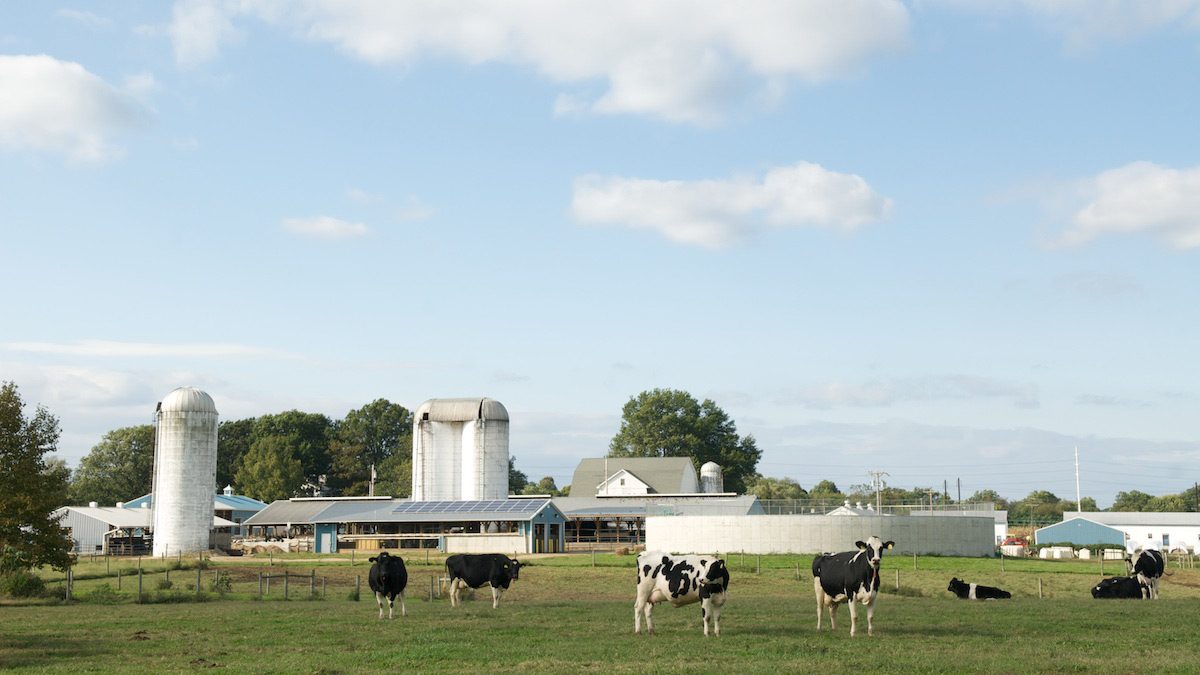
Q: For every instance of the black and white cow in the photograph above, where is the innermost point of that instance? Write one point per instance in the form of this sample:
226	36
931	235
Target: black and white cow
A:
1148	566
680	580
388	578
469	570
1121	587
966	591
849	577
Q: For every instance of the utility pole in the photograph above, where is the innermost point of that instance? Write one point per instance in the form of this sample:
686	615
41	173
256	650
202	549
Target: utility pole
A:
959	490
877	481
371	486
1078	499
946	489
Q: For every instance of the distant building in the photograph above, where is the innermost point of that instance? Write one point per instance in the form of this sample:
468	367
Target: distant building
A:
1169	531
112	530
231	507
1080	532
630	476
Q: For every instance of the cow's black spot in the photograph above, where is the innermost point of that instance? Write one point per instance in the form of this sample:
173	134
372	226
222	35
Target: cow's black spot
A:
646	570
703	563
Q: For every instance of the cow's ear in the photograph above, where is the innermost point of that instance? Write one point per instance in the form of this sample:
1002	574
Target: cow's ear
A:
889	545
372	559
860	545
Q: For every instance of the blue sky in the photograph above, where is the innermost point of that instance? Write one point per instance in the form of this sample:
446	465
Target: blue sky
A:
945	239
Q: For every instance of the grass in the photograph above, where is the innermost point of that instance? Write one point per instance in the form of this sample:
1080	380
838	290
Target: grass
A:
563	615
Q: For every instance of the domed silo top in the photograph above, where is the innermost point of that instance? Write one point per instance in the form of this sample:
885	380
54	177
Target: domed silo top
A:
710	467
187	399
460	410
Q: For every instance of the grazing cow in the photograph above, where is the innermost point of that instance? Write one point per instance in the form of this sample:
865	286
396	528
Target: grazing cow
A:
468	570
388	578
1121	587
966	591
1148	566
849	577
680	580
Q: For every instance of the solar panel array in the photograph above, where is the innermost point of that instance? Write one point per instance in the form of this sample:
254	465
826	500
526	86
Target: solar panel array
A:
498	506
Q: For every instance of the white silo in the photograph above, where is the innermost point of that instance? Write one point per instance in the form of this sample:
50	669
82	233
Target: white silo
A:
711	478
460	450
185	471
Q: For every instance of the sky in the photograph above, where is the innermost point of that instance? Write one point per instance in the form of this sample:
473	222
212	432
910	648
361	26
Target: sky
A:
951	240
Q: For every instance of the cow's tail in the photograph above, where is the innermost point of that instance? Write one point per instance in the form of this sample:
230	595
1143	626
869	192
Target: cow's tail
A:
816	566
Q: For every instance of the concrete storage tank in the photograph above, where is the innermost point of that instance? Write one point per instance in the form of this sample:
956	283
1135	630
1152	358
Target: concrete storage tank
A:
712	480
185	471
460	450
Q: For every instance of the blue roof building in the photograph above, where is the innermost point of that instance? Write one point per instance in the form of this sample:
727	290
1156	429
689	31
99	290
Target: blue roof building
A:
235	508
1079	532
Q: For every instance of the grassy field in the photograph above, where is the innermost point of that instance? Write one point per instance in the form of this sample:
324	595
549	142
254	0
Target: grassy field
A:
564	615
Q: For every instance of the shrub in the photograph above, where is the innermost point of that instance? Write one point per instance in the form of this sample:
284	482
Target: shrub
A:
22	584
222	583
104	594
163	584
353	595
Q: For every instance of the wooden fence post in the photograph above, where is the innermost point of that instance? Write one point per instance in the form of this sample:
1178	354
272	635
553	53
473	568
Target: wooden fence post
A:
1039	588
322	588
312	583
431	588
897	580
914	561
118	578
197	581
285	585
139	584
260	595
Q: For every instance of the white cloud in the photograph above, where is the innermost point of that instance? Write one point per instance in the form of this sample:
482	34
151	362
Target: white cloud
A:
324	227
882	393
682	60
111	349
84	17
58	106
719	213
1140	198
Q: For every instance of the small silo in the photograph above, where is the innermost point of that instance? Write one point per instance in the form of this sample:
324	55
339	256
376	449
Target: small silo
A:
460	450
712	481
185	471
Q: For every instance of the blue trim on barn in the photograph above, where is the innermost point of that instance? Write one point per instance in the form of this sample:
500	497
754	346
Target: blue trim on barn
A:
1080	532
325	538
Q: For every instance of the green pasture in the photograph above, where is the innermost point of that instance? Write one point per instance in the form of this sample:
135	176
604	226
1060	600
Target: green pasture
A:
564	615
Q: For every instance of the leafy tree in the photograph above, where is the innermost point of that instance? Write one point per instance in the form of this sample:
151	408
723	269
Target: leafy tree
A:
119	468
394	475
1134	500
233	440
1087	504
307	433
765	487
517	480
30	488
368	436
672	423
825	489
1167	503
270	470
989	496
545	486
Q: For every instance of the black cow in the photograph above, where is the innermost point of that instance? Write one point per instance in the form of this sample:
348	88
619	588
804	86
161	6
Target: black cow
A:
849	577
467	570
966	591
388	578
1121	587
1148	566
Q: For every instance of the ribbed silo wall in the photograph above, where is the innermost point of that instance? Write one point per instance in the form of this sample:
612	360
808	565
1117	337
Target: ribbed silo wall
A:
485	459
437	461
712	480
185	473
925	535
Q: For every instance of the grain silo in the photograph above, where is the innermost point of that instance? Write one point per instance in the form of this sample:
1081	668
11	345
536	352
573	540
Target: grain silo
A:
460	450
185	471
712	480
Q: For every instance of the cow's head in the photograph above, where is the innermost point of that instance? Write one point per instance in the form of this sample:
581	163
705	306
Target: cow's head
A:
874	549
381	561
513	567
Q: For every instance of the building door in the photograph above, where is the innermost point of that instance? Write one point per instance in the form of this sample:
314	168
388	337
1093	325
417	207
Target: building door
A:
539	538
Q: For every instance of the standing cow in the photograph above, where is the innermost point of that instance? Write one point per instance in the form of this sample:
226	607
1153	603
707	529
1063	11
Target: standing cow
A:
1148	566
468	570
849	577
388	578
681	580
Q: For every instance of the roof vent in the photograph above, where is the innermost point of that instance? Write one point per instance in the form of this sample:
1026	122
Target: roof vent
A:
228	491
93	505
120	505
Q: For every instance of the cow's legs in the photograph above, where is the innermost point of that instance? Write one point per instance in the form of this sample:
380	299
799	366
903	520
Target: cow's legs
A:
454	592
391	604
403	609
870	615
638	607
704	607
379	601
853	617
496	596
820	593
833	610
711	611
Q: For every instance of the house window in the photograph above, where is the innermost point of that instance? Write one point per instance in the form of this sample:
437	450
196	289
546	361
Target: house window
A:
1166	540
622	481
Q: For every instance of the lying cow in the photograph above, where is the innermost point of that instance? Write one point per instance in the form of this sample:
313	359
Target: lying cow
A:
966	591
849	577
1121	587
388	578
680	580
1148	566
467	570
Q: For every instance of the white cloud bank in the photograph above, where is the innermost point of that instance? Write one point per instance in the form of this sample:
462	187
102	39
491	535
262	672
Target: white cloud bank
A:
324	227
719	213
1139	198
1083	23
682	60
58	106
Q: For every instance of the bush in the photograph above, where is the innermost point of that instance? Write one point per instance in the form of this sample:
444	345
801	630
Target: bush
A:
163	584
353	595
22	584
104	594
222	584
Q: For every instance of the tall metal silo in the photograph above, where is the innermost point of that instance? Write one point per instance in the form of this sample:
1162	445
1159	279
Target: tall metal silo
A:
712	479
460	450
185	471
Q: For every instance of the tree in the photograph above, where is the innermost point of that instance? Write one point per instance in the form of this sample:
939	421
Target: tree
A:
1134	500
270	470
368	436
998	502
307	433
765	487
31	488
395	475
545	486
517	480
119	468
672	423
825	489
233	440
1087	504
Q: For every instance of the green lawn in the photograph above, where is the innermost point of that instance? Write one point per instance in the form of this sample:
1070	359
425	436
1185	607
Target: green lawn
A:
563	615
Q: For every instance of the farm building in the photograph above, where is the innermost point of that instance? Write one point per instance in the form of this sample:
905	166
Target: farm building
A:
630	476
1170	531
111	529
330	524
1079	532
231	507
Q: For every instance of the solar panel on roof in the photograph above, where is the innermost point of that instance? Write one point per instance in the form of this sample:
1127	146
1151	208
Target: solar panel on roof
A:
479	506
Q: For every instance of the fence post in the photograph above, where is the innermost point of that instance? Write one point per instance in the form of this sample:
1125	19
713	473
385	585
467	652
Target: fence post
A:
312	583
431	589
260	585
197	581
1001	560
268	584
168	573
897	580
118	578
357	586
322	588
139	582
914	561
1039	588
758	564
67	586
352	557
593	556
285	585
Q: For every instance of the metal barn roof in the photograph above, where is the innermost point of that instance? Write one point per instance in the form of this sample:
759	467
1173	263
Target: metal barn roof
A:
1080	532
662	474
461	410
655	505
126	518
398	511
1137	518
221	502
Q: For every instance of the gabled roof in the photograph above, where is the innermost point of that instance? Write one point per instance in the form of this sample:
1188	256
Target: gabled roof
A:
221	502
663	474
1137	518
618	475
126	518
699	505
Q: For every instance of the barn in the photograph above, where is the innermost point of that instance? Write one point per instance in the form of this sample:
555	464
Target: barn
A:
112	530
227	505
1080	532
330	524
1165	531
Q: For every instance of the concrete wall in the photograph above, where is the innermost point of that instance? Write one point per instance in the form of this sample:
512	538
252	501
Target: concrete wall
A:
486	543
963	536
